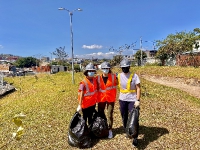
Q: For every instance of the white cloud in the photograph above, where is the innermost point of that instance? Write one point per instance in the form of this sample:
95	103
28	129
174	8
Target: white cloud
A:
1	46
94	46
98	55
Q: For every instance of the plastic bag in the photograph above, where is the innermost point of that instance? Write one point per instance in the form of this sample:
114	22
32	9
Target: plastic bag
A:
132	125
79	134
99	126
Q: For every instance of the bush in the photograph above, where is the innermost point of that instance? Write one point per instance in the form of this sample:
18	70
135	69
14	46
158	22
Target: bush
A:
153	64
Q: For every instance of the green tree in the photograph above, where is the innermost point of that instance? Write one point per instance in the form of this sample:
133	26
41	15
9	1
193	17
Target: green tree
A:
77	68
162	55
138	56
197	32
25	62
177	43
116	60
54	63
61	54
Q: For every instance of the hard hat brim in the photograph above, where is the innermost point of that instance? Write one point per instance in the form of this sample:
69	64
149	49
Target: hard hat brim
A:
125	66
105	67
91	69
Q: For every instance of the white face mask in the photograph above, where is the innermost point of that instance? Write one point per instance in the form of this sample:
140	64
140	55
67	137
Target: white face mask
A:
91	74
105	71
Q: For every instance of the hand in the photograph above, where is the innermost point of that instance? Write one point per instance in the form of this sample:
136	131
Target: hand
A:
79	108
137	104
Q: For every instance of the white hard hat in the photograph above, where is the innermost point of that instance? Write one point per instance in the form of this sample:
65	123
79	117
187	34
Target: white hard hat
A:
125	63
90	66
105	65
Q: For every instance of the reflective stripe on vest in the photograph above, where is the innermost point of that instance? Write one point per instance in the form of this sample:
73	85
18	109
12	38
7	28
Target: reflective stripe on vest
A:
107	88
88	93
128	86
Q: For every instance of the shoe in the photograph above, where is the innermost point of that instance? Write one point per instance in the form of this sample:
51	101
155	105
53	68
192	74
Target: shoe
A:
135	142
110	135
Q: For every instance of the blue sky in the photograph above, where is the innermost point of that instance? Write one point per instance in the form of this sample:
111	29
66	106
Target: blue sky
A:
36	27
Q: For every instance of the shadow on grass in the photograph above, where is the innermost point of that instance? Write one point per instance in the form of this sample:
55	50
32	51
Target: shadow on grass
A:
150	134
119	130
6	93
95	140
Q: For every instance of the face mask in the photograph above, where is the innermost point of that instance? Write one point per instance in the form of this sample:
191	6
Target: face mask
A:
125	69
91	74
105	71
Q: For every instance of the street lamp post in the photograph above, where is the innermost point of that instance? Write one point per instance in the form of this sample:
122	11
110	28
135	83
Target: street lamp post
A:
70	14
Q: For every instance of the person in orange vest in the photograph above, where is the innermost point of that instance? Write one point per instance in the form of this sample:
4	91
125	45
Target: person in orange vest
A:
87	93
107	83
129	96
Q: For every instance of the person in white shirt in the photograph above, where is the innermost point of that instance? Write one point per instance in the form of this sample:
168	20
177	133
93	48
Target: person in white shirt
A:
130	92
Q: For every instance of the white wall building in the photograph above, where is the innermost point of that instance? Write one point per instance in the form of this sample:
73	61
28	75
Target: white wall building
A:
198	45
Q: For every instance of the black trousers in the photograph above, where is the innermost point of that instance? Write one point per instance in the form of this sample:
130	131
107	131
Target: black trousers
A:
110	108
88	113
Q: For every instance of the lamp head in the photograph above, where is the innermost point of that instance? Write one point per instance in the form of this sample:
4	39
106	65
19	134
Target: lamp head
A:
79	9
60	8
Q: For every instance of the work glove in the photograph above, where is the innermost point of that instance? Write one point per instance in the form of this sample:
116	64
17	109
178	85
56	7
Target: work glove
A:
79	108
137	104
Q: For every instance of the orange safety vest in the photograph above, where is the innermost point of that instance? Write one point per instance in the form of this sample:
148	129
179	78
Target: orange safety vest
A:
107	92
90	93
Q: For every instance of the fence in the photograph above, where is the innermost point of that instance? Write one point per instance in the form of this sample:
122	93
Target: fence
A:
42	69
188	60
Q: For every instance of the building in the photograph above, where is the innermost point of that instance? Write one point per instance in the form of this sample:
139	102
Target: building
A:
58	68
151	53
45	59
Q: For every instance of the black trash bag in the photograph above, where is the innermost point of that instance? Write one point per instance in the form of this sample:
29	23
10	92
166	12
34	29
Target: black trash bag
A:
99	126
132	125
79	134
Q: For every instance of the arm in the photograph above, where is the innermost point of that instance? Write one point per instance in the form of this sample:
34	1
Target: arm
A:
81	97
81	94
138	89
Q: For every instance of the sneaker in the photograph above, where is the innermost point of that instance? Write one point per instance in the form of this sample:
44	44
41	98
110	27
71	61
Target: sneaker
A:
135	142
110	135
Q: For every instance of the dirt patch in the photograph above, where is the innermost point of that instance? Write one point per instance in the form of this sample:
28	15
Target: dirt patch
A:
191	86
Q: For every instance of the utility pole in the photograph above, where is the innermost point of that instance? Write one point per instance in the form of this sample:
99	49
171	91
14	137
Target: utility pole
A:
141	51
51	58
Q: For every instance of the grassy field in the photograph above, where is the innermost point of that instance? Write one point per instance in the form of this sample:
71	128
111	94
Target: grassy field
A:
169	118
